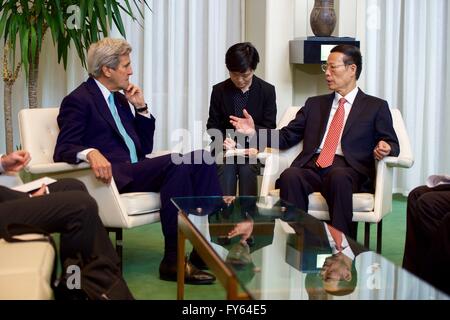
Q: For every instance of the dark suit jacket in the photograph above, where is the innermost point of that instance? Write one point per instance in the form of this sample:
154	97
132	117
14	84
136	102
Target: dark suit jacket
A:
85	121
369	122
261	105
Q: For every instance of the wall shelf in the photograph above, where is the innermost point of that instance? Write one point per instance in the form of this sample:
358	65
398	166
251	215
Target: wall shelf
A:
315	50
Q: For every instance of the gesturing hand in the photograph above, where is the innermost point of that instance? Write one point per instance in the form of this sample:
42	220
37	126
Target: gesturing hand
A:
100	165
244	125
15	161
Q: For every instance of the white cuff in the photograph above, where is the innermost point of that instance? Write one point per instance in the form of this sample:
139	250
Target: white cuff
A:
82	155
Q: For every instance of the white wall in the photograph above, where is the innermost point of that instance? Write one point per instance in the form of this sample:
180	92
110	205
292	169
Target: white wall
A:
270	26
255	30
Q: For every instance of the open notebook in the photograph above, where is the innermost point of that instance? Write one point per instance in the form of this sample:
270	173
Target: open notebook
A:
34	185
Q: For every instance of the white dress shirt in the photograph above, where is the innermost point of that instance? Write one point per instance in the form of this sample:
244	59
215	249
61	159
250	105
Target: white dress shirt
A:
350	97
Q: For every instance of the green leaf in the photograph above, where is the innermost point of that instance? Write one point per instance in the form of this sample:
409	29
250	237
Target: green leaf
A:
90	8
59	16
109	12
83	12
118	20
94	30
23	33
141	13
130	11
101	15
3	23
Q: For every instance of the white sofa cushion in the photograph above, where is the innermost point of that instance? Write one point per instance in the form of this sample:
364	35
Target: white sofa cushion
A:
141	202
25	270
362	202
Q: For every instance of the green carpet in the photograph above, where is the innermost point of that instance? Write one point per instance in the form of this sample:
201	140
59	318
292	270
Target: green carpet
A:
143	249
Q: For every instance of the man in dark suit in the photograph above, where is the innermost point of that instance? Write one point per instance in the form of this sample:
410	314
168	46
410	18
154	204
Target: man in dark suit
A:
243	90
97	125
343	133
67	208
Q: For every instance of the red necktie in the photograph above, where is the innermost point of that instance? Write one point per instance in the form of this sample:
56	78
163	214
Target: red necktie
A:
326	156
337	237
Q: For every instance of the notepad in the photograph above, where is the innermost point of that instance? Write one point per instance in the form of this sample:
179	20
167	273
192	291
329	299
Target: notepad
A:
235	152
241	152
34	185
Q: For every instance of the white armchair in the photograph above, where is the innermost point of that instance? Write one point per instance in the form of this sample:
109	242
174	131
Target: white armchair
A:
38	134
367	207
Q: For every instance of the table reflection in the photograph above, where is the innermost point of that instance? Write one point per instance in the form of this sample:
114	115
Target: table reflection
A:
279	252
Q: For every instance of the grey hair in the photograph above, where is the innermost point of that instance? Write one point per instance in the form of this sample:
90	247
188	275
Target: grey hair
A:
106	52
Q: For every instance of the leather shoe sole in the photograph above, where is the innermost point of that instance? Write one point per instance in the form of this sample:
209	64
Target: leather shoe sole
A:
192	275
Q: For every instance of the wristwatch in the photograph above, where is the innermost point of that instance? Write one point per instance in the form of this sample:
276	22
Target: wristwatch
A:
143	109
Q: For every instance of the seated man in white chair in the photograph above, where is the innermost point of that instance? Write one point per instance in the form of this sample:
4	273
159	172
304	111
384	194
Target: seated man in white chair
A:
342	133
97	125
64	207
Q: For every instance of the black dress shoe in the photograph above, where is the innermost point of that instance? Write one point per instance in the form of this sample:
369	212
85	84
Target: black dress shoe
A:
192	275
197	261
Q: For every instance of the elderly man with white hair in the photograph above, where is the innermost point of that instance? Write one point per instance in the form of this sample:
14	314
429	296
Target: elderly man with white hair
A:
97	125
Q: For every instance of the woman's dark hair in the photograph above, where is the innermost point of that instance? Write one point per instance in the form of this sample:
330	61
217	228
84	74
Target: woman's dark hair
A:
352	56
241	57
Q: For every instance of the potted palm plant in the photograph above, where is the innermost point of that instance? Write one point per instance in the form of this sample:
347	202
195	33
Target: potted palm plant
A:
69	22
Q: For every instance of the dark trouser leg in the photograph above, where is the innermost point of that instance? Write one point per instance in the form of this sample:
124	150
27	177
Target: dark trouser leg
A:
413	247
189	178
425	212
437	265
204	177
228	178
339	184
248	185
71	213
162	175
296	184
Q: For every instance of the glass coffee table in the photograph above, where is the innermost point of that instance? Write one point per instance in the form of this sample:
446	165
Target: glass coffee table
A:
265	248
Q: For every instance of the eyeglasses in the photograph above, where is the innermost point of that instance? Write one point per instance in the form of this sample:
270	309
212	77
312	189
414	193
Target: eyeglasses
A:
325	66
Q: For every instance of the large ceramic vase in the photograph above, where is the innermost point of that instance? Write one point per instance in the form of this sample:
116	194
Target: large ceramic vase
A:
323	18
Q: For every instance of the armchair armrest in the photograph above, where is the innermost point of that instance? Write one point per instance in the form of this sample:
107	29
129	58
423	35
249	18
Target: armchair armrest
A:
262	156
275	164
400	161
55	167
